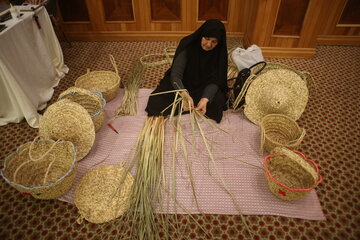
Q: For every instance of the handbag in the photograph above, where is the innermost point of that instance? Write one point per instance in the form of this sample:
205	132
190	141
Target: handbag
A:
241	78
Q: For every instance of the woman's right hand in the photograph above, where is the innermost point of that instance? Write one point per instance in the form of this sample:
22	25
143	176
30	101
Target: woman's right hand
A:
187	102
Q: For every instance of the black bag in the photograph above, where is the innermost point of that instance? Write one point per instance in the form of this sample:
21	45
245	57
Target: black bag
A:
241	78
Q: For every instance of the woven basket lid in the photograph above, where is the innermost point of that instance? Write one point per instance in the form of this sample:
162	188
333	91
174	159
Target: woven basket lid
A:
103	193
280	91
69	121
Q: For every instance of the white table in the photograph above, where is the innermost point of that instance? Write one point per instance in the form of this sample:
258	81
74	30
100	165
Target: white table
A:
31	65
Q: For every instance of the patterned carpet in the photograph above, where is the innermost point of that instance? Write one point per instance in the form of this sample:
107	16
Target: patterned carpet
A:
333	141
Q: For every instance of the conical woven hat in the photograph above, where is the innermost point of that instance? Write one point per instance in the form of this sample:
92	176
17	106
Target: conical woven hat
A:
69	121
280	91
103	193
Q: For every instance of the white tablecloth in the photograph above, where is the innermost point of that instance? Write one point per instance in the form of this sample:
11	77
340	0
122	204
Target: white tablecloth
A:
31	65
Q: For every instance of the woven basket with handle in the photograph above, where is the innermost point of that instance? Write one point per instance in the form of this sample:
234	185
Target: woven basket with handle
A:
289	174
44	169
106	82
278	130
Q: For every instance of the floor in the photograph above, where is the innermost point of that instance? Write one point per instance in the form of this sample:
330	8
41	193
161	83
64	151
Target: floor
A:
331	120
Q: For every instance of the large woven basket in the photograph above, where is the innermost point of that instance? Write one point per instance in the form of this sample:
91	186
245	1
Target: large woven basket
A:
103	194
69	121
106	82
44	169
289	174
93	101
278	130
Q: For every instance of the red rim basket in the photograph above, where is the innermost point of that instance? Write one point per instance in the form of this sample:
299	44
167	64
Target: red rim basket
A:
290	175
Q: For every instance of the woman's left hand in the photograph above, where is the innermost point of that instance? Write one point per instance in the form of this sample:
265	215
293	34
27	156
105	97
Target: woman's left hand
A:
201	107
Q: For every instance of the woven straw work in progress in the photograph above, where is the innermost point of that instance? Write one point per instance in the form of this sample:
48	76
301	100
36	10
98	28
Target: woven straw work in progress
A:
92	101
44	169
106	82
69	121
298	174
280	91
278	130
100	196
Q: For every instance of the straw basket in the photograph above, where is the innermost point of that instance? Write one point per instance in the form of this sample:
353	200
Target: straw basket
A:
69	121
44	169
278	130
289	174
92	101
106	82
103	193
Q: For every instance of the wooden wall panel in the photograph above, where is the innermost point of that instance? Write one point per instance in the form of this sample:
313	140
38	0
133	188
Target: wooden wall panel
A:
332	32
145	27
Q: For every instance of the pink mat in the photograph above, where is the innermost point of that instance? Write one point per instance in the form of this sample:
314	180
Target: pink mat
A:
246	183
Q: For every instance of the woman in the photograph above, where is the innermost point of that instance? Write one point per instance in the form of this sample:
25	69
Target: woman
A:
200	67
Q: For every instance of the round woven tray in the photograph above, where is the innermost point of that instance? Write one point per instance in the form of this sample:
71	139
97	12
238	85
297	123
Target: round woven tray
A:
92	101
278	130
44	169
106	82
103	193
280	91
289	174
69	121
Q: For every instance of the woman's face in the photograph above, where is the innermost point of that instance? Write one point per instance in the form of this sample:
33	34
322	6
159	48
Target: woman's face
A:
208	43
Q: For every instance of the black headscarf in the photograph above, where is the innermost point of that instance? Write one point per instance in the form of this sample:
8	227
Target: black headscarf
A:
205	67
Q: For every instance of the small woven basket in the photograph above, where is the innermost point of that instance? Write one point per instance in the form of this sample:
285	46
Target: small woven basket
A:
106	82
278	130
289	174
103	193
44	169
93	101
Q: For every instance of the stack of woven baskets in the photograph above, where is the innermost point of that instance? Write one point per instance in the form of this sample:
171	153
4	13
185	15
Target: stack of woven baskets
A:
275	99
45	168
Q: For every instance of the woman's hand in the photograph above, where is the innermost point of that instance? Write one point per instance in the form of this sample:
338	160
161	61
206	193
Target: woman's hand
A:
187	102
201	107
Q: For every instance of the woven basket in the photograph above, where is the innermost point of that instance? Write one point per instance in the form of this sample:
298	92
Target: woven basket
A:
278	130
106	82
44	169
92	101
170	53
289	174
103	193
69	121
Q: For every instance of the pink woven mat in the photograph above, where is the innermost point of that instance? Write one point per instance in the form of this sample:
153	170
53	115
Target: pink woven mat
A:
236	169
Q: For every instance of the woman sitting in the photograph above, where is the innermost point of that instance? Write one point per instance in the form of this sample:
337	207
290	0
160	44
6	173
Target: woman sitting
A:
200	68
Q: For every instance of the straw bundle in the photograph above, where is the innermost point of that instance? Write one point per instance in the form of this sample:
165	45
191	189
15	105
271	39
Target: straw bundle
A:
128	104
92	101
44	169
290	175
148	180
106	82
69	121
279	130
99	196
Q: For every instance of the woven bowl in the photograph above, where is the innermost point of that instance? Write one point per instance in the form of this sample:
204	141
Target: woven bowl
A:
44	169
69	121
278	130
289	174
106	82
92	101
103	193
